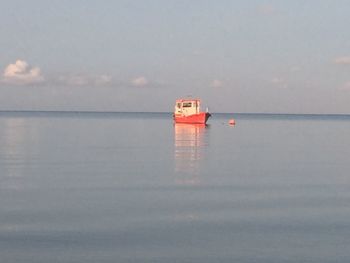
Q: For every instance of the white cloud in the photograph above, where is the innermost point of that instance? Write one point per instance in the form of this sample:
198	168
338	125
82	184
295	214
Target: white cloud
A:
216	84
345	60
139	82
21	73
103	80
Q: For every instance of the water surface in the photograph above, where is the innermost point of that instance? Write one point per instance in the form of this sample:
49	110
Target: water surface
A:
134	187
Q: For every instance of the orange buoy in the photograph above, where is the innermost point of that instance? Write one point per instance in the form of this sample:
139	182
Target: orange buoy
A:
232	122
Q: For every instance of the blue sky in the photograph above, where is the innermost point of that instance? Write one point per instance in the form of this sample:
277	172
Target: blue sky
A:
238	56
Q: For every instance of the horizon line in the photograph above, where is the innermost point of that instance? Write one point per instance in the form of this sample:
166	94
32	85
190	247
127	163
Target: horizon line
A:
166	112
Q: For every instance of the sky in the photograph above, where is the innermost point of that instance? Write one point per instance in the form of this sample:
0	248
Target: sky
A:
237	56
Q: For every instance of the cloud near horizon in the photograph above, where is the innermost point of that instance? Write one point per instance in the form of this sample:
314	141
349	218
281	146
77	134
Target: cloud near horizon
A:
216	84
344	60
21	73
139	82
85	80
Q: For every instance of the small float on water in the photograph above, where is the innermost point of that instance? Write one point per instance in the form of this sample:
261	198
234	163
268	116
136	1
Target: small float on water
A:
188	111
232	122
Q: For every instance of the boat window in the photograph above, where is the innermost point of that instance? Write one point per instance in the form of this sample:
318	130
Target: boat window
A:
186	104
178	105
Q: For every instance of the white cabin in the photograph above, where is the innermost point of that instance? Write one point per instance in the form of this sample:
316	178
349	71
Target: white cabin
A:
186	107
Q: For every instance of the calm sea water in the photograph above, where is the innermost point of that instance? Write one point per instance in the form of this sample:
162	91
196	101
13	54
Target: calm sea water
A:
122	187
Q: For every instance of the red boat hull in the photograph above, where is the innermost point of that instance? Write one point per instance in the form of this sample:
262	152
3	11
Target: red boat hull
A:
200	118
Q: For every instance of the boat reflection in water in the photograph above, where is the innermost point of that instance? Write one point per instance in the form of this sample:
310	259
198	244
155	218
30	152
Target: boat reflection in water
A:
190	142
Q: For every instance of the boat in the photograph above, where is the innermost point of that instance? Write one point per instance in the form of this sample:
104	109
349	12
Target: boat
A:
188	111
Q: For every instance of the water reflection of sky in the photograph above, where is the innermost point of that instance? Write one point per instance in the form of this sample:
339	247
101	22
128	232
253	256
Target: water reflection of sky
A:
190	141
12	149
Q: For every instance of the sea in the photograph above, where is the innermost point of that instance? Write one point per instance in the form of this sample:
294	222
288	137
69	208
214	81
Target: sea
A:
135	187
